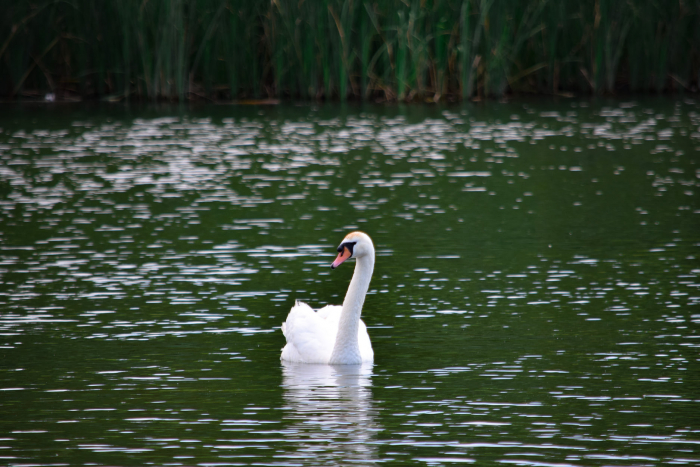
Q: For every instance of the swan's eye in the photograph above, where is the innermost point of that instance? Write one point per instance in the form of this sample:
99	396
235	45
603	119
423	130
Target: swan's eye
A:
348	245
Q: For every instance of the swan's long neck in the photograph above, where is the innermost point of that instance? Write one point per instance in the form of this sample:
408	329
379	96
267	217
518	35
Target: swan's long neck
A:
346	341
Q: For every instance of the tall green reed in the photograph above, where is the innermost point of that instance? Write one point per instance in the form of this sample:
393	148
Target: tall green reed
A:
338	49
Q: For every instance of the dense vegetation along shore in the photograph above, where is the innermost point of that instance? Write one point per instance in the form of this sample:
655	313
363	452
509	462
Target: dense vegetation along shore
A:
345	49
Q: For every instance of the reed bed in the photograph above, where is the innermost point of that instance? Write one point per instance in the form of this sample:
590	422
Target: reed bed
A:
346	49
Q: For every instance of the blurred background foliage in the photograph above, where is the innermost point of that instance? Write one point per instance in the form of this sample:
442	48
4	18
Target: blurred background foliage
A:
410	50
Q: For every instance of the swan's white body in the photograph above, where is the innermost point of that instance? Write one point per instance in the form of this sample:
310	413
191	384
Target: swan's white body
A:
335	334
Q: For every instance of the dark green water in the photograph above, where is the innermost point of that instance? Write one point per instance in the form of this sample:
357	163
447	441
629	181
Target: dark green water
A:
535	299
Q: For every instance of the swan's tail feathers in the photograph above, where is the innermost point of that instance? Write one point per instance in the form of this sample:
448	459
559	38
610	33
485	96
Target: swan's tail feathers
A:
284	328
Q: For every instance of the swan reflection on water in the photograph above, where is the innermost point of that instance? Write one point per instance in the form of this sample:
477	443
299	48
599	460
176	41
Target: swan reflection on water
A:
330	407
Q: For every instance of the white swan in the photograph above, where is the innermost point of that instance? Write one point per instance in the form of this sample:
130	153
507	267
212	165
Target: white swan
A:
335	334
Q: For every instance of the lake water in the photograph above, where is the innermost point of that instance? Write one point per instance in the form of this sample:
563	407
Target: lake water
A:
535	300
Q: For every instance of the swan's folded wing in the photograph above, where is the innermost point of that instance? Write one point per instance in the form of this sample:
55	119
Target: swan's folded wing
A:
331	313
309	335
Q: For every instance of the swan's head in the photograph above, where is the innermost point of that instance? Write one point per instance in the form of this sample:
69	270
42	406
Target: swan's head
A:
354	245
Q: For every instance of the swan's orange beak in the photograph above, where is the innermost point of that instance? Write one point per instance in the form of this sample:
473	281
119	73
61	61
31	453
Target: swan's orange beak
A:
342	257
